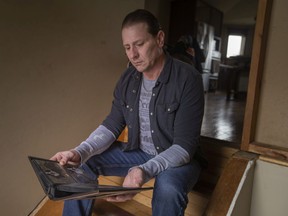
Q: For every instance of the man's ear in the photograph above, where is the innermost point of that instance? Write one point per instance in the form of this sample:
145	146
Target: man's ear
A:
161	38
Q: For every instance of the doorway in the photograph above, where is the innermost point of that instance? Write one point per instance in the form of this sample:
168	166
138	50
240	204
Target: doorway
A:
225	95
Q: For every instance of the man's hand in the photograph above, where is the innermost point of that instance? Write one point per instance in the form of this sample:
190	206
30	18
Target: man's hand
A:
65	157
135	178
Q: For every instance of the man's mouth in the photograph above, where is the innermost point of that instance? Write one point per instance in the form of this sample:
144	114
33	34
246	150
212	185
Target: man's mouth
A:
137	63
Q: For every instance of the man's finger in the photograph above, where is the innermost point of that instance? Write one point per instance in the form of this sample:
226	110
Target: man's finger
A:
120	198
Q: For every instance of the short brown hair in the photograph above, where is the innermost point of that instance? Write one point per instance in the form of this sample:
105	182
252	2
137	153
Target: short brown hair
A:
142	16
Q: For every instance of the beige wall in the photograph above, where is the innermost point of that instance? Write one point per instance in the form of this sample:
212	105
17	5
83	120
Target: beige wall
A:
272	125
161	9
59	61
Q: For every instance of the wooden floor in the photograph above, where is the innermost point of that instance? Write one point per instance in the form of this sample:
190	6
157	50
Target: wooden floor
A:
223	120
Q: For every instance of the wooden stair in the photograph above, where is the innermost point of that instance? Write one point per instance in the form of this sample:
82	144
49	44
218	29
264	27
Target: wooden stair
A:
197	200
218	154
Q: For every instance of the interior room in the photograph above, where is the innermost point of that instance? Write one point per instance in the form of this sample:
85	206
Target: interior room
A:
225	72
228	80
60	60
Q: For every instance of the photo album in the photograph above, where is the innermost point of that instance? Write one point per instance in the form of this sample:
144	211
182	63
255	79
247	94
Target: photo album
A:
73	182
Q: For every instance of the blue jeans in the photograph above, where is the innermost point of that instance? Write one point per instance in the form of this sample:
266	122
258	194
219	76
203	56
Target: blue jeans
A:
170	189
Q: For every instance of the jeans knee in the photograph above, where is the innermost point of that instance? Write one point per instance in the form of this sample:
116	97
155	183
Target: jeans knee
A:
170	192
168	199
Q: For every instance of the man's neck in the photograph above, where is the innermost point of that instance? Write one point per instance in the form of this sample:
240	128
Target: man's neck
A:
155	72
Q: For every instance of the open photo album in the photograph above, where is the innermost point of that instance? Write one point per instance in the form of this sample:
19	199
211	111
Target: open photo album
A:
73	182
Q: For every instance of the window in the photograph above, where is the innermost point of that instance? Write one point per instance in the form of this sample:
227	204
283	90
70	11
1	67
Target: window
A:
236	44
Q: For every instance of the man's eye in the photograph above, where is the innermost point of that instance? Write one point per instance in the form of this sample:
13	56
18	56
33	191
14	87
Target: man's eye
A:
139	44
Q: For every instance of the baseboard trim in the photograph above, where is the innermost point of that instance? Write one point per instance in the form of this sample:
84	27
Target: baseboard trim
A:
39	206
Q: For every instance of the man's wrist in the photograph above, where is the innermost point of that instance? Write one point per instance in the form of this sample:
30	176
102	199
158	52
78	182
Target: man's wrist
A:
146	177
76	155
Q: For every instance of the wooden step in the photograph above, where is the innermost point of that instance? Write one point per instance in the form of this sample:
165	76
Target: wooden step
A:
197	201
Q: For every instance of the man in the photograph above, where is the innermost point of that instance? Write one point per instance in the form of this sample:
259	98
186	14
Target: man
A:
160	100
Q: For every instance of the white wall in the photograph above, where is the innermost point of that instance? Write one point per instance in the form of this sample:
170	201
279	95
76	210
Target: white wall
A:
59	61
270	191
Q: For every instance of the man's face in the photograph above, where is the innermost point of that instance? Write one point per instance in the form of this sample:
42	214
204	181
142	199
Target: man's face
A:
142	49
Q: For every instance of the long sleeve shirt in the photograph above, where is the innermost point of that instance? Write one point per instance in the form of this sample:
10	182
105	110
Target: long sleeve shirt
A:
176	107
175	110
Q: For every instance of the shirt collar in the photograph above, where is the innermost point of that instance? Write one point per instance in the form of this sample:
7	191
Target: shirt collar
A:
165	73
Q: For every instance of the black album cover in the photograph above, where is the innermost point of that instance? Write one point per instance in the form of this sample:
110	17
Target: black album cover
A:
73	182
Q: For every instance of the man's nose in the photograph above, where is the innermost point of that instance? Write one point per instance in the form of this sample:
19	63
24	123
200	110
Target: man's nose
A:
133	53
